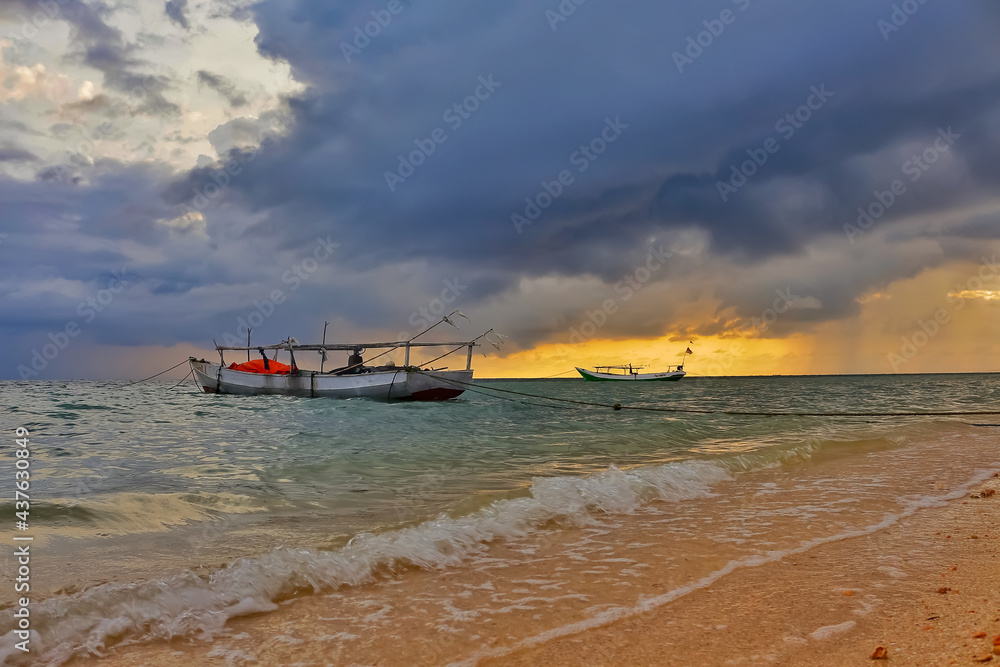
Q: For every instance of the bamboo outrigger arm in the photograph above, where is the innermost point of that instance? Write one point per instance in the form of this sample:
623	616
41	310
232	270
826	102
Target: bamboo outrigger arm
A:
344	346
404	344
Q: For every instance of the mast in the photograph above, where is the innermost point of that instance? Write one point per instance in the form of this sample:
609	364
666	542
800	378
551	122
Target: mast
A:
323	352
687	351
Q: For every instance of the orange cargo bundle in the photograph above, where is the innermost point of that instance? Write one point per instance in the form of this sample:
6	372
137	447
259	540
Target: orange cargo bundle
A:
257	366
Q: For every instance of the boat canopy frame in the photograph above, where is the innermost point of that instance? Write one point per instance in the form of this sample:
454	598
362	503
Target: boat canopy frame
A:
325	347
634	370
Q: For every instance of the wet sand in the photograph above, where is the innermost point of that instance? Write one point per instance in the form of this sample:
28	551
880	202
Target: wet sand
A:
923	589
574	597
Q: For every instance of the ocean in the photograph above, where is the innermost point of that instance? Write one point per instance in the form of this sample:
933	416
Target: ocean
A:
178	526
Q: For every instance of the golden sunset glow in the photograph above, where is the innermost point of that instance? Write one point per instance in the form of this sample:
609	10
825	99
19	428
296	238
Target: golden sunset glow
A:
988	295
950	328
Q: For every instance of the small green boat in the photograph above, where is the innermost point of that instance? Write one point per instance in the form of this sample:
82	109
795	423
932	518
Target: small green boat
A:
630	373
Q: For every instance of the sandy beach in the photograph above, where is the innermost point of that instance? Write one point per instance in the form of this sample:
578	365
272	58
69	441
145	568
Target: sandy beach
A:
924	589
925	586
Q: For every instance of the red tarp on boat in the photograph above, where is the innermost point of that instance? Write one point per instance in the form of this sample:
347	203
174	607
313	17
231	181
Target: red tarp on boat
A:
257	366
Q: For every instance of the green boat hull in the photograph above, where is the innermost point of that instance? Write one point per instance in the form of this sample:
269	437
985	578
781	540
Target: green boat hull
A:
590	376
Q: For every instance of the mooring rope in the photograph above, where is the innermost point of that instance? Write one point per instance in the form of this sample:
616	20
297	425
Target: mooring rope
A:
484	390
475	390
738	413
183	380
547	377
129	384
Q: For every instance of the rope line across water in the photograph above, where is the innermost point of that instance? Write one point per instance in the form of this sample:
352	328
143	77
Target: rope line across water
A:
129	384
481	389
740	413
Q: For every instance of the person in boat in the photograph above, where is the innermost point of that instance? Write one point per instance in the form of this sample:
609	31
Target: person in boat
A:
355	361
355	364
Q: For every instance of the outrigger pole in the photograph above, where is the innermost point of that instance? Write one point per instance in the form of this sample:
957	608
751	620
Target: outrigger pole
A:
323	352
388	347
472	343
291	343
406	355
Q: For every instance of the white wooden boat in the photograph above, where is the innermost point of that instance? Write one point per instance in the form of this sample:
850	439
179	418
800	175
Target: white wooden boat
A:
386	382
627	372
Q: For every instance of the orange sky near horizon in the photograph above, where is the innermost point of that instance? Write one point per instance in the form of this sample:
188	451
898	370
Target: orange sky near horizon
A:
942	320
948	318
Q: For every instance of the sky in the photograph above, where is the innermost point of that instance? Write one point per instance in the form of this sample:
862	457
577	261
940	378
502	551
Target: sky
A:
782	187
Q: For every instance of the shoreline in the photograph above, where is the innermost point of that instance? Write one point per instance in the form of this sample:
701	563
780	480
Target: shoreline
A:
888	589
564	597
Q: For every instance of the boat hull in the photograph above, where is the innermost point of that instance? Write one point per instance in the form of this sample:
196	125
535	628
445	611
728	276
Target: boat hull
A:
395	385
593	376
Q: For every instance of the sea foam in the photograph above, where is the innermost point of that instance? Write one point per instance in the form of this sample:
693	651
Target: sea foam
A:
189	604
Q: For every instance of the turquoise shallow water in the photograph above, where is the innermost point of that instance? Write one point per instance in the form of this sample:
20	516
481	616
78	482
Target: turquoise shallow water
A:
135	483
368	465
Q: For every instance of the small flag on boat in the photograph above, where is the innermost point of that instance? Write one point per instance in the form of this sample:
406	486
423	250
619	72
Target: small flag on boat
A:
688	351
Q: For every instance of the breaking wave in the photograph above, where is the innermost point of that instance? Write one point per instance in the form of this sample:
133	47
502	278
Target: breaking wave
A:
188	604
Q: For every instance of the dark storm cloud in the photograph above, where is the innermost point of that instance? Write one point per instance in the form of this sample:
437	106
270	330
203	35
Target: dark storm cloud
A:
457	207
752	223
118	203
375	97
559	87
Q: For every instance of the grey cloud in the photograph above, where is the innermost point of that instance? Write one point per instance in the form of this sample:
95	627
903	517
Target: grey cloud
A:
16	155
656	184
223	86
175	10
